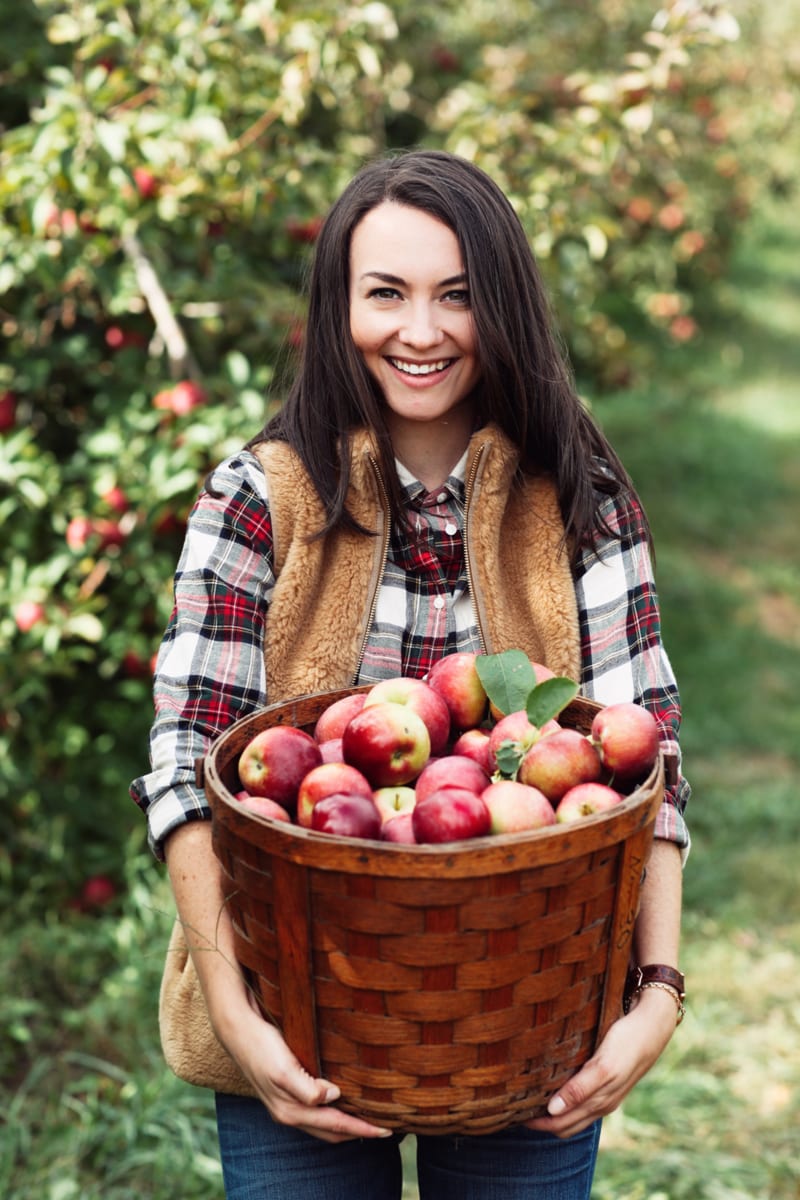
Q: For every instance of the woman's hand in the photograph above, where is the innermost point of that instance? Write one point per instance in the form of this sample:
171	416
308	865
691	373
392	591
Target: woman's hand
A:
628	1051
292	1096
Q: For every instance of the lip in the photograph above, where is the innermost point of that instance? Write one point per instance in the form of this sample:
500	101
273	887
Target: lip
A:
425	379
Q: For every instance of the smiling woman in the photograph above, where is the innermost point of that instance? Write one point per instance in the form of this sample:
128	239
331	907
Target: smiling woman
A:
432	486
410	318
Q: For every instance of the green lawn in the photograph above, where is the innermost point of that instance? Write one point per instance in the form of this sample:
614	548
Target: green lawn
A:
88	1110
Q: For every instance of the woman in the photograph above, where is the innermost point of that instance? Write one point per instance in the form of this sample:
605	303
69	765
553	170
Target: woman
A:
431	484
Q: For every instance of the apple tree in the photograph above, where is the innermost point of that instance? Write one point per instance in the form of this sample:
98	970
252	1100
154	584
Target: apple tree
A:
163	173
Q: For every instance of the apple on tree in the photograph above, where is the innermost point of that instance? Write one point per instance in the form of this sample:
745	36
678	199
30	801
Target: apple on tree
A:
422	699
389	743
274	762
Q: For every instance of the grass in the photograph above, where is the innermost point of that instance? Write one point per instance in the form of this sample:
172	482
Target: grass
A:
90	1112
718	1118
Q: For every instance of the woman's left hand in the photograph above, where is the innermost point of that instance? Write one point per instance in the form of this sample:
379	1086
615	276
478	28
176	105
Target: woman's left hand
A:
628	1051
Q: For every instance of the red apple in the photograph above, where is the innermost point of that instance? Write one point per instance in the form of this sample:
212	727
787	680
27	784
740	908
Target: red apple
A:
399	829
453	770
331	750
421	699
456	680
585	799
97	891
449	815
275	762
513	732
560	761
325	780
626	737
387	742
146	182
304	231
79	530
186	396
116	499
27	614
8	411
333	720
390	801
515	807
474	744
347	816
263	807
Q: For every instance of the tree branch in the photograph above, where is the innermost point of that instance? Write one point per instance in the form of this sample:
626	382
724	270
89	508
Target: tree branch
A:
180	357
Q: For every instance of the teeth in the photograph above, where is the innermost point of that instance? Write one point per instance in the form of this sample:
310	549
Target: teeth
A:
420	368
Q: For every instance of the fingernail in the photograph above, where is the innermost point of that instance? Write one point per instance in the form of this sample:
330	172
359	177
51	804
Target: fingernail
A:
332	1094
556	1106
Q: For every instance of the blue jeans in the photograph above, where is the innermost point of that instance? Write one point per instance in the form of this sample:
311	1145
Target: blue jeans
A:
262	1160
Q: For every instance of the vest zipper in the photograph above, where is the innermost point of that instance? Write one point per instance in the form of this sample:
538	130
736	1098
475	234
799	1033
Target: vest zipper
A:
468	489
384	552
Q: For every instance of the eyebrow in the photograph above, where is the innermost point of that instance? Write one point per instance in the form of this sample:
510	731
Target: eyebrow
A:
384	277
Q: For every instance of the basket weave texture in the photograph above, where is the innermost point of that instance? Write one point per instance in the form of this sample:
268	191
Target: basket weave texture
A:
444	989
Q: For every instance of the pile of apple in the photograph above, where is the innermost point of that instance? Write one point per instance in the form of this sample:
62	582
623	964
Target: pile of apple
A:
475	749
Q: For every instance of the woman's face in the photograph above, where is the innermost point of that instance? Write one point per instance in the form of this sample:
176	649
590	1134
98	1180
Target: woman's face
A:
410	313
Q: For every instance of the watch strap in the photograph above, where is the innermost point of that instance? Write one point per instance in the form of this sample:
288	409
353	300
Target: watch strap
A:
655	973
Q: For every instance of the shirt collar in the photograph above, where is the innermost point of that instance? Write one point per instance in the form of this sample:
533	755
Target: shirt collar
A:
454	485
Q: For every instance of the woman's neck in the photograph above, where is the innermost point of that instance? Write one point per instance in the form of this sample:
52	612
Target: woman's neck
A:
430	450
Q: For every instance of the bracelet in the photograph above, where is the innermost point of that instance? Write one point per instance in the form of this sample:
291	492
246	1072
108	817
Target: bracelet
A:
656	975
662	987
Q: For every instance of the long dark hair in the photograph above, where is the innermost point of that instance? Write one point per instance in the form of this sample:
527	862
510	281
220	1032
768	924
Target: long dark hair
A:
525	387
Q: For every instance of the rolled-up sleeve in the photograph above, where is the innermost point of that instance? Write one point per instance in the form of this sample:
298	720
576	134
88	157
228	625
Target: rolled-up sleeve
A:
210	666
623	654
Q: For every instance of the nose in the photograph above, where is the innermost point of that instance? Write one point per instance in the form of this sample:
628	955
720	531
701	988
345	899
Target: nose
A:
421	328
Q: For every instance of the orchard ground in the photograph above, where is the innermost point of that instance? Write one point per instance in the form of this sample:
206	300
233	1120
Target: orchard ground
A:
90	1111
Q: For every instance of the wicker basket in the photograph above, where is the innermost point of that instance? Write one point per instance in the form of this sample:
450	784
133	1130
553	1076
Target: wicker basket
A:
443	989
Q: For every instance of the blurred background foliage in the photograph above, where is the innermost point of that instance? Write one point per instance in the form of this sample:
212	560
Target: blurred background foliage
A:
164	169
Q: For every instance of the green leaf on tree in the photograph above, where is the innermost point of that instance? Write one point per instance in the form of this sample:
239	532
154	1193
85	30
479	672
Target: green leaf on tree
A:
508	679
549	698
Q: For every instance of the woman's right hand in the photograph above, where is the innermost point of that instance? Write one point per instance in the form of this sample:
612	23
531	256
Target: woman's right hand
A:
292	1096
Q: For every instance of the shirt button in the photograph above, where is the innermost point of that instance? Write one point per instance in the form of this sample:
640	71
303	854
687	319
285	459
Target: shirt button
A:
441	497
450	528
438	602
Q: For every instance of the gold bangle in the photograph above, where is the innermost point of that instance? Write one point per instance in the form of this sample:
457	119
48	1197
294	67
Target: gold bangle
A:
665	987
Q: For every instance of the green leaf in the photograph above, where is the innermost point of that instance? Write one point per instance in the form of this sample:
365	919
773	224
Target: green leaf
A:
508	679
548	699
508	757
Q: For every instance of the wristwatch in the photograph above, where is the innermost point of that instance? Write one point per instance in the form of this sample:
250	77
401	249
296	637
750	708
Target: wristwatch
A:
655	975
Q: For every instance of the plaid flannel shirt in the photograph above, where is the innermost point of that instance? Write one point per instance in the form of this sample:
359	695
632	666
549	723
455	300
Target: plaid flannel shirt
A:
210	668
